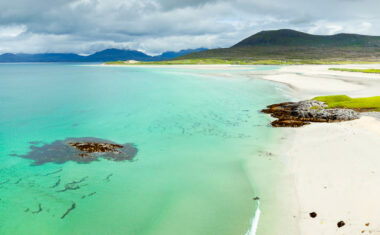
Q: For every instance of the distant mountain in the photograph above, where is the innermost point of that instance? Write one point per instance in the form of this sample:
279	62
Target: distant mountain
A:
171	54
291	44
101	56
8	57
116	54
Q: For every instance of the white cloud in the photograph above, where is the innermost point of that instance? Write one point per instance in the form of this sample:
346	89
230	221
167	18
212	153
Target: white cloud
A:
11	31
329	28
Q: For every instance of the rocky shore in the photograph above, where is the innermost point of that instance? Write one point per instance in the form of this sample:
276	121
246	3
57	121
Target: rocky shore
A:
296	114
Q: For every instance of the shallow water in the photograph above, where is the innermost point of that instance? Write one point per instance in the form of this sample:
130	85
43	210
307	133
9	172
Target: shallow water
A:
194	131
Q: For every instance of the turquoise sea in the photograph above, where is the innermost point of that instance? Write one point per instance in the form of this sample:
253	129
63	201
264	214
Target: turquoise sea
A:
195	131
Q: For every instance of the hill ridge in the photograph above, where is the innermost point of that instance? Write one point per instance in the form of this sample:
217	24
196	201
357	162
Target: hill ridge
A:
288	44
289	37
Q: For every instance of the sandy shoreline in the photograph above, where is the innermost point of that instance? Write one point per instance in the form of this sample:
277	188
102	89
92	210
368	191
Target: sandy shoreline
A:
308	81
334	166
332	169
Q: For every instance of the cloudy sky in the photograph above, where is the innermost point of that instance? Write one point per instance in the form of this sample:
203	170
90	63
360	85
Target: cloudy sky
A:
154	26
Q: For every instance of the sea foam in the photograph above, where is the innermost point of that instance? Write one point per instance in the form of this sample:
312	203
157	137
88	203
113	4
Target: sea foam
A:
255	221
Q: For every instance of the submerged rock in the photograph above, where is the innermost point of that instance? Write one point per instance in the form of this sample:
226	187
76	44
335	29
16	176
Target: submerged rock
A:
296	114
80	150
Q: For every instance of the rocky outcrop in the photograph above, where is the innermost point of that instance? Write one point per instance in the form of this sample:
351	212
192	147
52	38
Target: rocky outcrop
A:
296	114
94	147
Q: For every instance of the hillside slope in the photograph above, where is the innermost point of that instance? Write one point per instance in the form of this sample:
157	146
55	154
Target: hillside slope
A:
287	37
292	45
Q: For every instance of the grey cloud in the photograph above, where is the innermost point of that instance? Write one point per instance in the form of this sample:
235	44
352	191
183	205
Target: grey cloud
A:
153	26
173	4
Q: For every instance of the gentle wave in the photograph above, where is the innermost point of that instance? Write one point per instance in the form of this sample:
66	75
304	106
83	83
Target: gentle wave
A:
255	221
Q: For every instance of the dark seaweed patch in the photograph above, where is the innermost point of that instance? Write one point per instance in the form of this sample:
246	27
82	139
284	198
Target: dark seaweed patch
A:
39	209
69	187
89	195
108	178
80	150
68	210
56	183
54	172
4	182
74	185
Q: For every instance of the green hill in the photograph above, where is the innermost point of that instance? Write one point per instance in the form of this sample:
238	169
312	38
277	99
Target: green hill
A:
288	44
287	37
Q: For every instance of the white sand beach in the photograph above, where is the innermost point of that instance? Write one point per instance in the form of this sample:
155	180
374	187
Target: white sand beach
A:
334	167
308	81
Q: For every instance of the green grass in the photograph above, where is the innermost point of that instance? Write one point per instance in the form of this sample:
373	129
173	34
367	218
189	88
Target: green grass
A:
357	70
289	53
315	107
240	62
343	101
172	62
